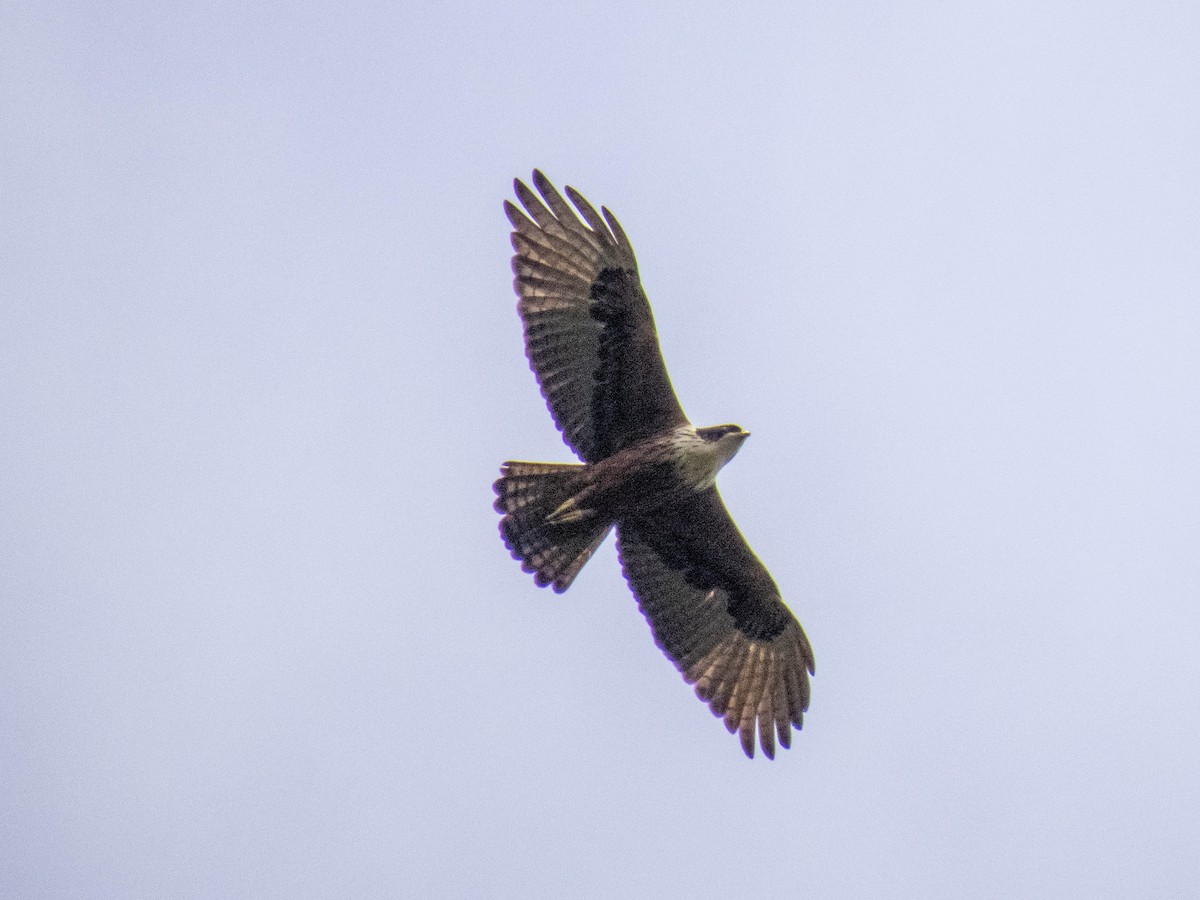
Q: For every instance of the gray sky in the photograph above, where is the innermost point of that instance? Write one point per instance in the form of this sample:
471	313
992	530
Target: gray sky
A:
259	362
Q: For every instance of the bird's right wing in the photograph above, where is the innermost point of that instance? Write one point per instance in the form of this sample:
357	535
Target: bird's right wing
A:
716	613
589	332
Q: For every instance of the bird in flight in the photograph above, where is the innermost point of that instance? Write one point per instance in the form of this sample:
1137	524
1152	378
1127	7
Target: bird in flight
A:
647	471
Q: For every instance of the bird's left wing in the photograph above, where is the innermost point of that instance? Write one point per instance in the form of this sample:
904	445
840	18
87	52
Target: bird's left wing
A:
589	332
716	613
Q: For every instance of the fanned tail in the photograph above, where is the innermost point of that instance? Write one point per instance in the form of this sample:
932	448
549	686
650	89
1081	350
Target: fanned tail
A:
527	493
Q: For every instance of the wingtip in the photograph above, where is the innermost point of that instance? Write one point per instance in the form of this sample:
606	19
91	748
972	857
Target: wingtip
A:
784	728
747	737
766	735
528	199
541	182
577	198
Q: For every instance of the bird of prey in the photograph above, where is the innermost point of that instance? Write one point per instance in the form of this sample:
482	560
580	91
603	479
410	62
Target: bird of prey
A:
712	605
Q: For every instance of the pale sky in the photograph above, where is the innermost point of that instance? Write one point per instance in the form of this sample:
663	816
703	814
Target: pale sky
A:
260	361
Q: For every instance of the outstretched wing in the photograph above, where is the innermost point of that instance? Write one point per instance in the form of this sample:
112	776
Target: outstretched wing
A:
589	333
716	612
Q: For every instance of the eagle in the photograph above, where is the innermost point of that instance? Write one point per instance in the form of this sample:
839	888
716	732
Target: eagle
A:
646	471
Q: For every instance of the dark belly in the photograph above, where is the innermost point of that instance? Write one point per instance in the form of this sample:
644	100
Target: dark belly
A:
624	491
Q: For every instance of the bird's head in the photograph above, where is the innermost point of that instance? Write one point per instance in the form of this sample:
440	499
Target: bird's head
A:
726	440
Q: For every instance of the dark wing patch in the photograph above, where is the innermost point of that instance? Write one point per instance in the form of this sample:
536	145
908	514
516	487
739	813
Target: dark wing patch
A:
589	332
716	612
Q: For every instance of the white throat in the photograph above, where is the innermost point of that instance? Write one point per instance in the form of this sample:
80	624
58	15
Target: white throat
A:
701	460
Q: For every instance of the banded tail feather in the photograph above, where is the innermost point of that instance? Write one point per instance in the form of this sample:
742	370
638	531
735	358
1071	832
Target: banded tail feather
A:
552	548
